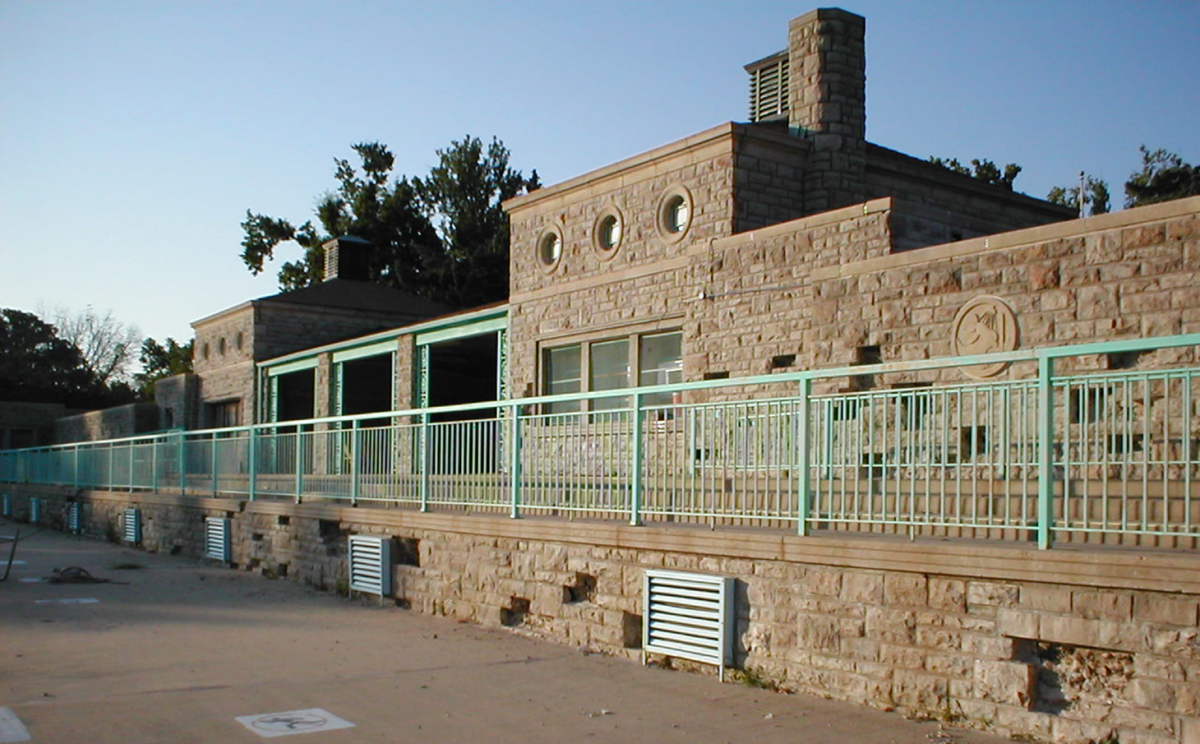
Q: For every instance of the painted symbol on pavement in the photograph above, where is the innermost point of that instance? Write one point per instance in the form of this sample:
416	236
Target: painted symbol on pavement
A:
293	722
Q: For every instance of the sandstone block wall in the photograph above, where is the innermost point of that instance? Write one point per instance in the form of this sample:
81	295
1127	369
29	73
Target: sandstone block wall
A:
1064	646
110	423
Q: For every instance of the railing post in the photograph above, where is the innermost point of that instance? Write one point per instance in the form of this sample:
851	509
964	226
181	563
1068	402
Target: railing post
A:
154	464
75	449
1045	507
252	454
804	491
354	479
212	473
423	461
299	461
182	464
111	466
635	480
514	463
132	447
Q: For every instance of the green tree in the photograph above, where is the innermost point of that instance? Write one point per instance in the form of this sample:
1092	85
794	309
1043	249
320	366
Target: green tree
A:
982	170
160	361
1096	198
39	366
1163	177
443	237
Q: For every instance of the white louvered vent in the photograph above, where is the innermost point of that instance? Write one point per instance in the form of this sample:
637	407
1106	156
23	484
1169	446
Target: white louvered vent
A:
35	510
689	616
769	87
6	505
371	565
132	526
216	538
74	523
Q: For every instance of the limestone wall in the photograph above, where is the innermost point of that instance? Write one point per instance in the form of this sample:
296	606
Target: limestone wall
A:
109	423
1064	646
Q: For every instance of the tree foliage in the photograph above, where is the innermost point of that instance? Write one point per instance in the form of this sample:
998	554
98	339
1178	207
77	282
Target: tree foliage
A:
107	345
39	366
982	170
160	361
1096	197
443	236
1163	177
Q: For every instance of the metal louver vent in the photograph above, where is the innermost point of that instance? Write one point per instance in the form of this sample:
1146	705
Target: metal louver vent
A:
74	523
689	616
6	505
132	526
216	538
35	510
769	87
370	565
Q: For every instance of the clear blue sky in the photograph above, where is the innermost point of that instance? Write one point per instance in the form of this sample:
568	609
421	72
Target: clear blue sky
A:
135	135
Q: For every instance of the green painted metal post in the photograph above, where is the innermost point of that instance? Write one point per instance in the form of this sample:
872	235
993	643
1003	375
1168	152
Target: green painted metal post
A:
1045	507
354	479
423	461
299	461
154	464
212	473
804	492
182	466
253	455
132	446
514	463
635	480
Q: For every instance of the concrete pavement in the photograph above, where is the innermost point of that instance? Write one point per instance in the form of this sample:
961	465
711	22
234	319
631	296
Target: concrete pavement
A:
182	650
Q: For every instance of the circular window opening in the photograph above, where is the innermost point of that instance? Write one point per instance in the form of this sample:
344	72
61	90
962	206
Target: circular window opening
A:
550	249
607	232
675	213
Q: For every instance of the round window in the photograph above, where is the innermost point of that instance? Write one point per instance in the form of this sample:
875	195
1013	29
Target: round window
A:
607	232
675	213
550	249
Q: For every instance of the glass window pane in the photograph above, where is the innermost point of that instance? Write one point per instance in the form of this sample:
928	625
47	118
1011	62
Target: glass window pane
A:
562	376
610	371
661	364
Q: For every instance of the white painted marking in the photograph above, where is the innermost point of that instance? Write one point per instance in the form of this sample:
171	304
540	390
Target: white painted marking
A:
70	601
31	580
18	563
11	728
293	722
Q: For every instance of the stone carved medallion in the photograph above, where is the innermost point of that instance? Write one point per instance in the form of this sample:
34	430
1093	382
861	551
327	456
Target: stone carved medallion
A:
985	325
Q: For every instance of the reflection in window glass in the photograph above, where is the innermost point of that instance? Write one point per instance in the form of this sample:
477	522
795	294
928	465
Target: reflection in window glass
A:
661	364
610	371
563	375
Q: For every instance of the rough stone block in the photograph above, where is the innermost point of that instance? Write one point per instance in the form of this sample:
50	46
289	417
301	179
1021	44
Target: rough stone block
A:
1102	605
1005	682
1017	623
862	587
906	590
947	594
1157	608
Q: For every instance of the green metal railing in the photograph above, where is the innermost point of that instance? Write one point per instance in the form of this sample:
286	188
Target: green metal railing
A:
902	448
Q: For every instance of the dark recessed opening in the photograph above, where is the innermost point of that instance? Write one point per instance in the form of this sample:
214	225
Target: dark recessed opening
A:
722	375
257	537
407	552
631	630
283	520
1124	359
515	613
583	590
783	361
329	529
973	440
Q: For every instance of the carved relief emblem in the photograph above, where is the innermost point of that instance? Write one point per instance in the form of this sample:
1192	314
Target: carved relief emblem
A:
984	325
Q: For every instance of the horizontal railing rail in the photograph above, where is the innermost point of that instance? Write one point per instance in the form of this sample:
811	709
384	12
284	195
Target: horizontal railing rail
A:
1079	454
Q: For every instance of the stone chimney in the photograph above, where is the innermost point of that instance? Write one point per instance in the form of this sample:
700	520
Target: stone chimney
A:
346	258
827	103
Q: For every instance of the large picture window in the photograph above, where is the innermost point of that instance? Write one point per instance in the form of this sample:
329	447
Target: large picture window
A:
613	364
